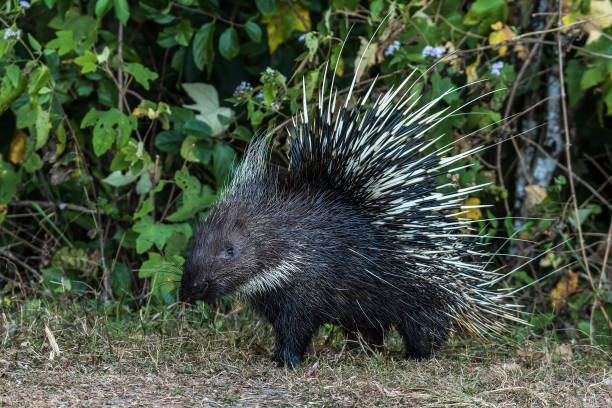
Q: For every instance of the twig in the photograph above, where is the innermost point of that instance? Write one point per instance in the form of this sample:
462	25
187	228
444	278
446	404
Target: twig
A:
298	15
61	206
13	258
575	176
120	69
601	276
568	158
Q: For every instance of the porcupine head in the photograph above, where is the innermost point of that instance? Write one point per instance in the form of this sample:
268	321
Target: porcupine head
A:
355	232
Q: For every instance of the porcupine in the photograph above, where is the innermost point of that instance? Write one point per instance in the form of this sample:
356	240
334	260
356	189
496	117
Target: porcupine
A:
356	232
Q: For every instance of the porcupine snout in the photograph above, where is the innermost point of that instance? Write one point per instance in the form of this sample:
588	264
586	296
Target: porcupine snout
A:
195	283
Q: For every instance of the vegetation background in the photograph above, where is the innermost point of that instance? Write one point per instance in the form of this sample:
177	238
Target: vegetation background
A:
121	120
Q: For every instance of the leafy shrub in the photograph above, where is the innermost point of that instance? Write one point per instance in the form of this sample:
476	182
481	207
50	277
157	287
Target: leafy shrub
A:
121	121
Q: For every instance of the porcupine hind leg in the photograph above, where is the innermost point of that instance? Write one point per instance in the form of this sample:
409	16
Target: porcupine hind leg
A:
419	342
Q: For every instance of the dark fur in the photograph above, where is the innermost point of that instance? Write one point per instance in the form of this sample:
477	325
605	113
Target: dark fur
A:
346	272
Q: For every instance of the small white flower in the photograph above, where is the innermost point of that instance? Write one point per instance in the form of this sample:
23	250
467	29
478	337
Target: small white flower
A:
496	68
242	88
10	33
391	48
25	4
302	37
435	52
269	69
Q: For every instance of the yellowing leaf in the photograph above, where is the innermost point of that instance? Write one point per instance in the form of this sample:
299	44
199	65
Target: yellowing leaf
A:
501	33
472	213
3	211
568	19
286	19
535	194
454	60
18	146
368	52
340	67
497	26
601	17
470	70
469	213
565	287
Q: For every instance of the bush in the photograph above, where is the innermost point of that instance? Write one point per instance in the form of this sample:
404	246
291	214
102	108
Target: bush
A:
122	120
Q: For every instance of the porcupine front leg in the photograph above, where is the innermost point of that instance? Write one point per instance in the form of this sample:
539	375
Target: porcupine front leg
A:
292	339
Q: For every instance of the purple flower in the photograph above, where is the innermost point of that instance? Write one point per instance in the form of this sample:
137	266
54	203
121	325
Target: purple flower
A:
302	37
391	48
435	52
10	33
496	68
259	95
25	4
242	88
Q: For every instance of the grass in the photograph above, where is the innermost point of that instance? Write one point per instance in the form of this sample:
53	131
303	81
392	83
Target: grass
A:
115	357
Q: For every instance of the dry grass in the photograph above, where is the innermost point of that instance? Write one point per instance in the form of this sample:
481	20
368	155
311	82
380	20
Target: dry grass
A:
224	361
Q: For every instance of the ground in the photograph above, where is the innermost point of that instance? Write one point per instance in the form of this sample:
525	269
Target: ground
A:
224	360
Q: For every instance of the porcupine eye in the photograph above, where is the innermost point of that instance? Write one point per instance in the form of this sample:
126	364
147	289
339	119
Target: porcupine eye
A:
229	252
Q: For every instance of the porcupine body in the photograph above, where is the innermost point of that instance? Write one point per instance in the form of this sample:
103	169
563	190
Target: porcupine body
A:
355	232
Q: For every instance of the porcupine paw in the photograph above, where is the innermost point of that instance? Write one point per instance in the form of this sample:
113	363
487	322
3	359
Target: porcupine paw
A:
286	358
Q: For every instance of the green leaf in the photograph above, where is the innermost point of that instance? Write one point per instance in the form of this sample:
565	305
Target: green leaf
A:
169	141
42	129
376	7
267	7
156	234
202	47
592	77
109	126
144	184
485	13
608	99
8	92
64	43
253	31
87	61
194	199
228	43
32	163
118	179
122	10
573	73
183	33
67	258
141	74
164	275
165	38
9	180
207	103
121	280
168	298
224	161
150	266
198	129
312	43
243	132
39	78
33	43
102	7
13	73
